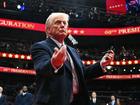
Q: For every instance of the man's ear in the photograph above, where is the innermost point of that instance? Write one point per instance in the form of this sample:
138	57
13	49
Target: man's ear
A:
48	30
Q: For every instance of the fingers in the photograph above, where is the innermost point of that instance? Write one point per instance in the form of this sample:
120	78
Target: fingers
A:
63	49
107	58
56	50
110	51
60	52
109	55
63	52
59	56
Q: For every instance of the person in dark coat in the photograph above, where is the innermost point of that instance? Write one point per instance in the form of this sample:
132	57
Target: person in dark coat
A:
114	101
94	100
24	97
3	100
60	72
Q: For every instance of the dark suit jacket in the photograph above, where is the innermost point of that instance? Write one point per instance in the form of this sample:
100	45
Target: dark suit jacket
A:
56	88
98	102
26	99
111	104
3	100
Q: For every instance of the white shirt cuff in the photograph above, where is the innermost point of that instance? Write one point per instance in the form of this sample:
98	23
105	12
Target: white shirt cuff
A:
103	67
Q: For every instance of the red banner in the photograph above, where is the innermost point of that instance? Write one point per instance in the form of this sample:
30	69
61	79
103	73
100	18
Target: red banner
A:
22	24
120	77
105	31
116	6
111	77
73	31
105	77
18	71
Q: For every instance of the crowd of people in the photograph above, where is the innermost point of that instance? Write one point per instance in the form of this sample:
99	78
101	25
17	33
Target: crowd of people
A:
94	100
15	46
121	52
24	97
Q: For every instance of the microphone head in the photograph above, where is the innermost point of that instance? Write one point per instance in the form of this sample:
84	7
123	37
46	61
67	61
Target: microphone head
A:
72	39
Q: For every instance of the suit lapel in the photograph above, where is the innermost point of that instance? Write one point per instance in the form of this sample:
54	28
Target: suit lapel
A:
51	43
75	59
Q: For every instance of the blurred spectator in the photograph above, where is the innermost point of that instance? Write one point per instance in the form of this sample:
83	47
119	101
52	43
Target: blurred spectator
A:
94	100
113	101
15	46
2	97
24	97
32	87
133	6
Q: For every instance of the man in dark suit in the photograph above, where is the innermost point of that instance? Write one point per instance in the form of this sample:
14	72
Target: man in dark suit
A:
60	71
2	97
94	100
24	97
114	101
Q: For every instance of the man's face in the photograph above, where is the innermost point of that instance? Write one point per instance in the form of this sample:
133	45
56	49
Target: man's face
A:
1	89
93	95
58	28
25	88
112	98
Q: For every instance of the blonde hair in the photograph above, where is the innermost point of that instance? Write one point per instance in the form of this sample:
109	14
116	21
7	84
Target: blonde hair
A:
52	16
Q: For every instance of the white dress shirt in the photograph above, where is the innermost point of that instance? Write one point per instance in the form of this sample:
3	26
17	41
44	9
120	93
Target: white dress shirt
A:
0	95
94	100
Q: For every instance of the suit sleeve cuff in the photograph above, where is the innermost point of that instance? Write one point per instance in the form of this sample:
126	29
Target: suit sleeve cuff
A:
103	68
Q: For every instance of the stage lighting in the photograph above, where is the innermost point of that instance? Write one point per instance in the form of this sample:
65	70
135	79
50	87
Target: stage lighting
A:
4	4
21	7
124	69
18	6
131	71
108	67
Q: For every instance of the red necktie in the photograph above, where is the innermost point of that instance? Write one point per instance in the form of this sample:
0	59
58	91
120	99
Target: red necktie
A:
75	84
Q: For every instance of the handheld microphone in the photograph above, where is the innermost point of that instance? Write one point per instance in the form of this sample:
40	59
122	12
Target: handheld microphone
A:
72	39
108	51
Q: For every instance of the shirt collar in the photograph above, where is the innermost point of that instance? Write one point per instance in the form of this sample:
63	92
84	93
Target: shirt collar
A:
94	100
113	101
58	43
24	93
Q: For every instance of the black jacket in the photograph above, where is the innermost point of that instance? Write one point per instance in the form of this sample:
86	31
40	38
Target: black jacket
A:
3	100
98	102
56	88
26	99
